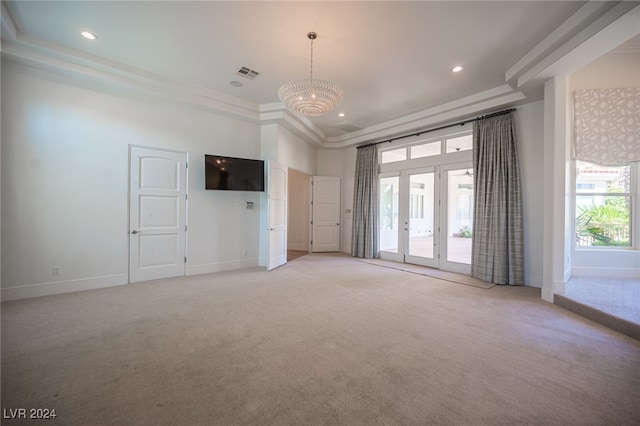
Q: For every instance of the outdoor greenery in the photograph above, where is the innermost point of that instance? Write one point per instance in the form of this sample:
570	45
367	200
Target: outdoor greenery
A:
465	232
606	224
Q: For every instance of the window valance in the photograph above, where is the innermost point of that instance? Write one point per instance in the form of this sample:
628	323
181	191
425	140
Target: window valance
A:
607	126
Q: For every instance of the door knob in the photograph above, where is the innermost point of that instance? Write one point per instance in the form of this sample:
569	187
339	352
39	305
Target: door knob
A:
134	232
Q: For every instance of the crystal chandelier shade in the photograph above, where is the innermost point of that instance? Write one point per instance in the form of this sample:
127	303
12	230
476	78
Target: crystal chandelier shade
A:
311	97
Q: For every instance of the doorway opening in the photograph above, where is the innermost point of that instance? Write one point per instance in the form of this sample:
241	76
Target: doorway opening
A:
313	214
299	214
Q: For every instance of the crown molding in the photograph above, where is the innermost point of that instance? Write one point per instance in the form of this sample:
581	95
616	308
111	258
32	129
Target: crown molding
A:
469	106
38	53
595	29
301	126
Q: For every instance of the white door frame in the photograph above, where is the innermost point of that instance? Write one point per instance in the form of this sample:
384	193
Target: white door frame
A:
441	198
406	220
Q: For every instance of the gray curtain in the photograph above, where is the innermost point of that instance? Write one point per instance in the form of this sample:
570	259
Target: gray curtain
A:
498	244
364	237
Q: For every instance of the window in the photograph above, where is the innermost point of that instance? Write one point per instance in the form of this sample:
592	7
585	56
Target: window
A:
425	150
461	143
394	155
604	204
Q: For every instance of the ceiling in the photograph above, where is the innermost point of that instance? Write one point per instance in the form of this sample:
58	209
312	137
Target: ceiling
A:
390	58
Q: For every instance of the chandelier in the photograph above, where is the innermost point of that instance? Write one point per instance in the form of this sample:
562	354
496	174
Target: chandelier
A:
311	97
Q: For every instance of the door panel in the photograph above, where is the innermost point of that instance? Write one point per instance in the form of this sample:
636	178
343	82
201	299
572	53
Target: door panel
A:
421	216
389	196
325	214
157	214
456	242
277	200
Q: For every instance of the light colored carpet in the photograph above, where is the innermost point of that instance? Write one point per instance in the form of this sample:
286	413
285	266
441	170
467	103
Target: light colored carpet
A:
431	272
322	340
619	297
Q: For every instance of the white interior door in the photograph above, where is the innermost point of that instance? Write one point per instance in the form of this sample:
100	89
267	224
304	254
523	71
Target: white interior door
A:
325	223
157	216
277	201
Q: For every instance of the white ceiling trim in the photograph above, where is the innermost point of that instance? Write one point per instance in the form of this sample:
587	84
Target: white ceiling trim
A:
301	126
470	106
556	38
613	22
40	53
595	24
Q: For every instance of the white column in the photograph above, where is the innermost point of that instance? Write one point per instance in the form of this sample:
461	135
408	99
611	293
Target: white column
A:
557	238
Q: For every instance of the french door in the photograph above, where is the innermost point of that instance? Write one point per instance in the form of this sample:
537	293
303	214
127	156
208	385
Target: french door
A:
426	216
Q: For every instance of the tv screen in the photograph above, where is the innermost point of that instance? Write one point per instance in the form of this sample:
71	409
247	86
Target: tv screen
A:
233	174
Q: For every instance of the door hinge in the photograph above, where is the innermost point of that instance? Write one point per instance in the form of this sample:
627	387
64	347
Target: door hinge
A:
186	196
312	222
185	259
185	228
186	165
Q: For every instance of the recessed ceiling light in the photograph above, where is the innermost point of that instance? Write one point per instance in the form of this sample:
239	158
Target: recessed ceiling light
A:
457	68
88	35
341	114
235	83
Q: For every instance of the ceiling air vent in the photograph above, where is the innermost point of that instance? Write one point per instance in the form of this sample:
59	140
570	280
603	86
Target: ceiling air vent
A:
348	127
248	73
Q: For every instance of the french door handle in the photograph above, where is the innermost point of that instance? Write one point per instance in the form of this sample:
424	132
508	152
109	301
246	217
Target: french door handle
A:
134	232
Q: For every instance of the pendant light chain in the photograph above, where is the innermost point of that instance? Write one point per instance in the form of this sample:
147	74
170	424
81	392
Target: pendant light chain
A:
311	66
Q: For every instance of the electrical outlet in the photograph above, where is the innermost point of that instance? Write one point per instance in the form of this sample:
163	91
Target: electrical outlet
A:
245	252
55	270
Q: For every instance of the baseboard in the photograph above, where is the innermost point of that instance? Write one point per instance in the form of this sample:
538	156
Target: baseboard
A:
209	268
547	294
59	287
298	246
633	273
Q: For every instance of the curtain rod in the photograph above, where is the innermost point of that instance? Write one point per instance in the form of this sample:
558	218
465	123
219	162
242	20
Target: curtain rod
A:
458	123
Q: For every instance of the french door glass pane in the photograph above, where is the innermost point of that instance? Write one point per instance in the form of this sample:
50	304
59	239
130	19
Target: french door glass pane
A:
389	203
460	216
421	210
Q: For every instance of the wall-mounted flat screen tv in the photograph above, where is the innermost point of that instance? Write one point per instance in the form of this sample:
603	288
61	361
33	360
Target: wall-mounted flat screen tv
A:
233	174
